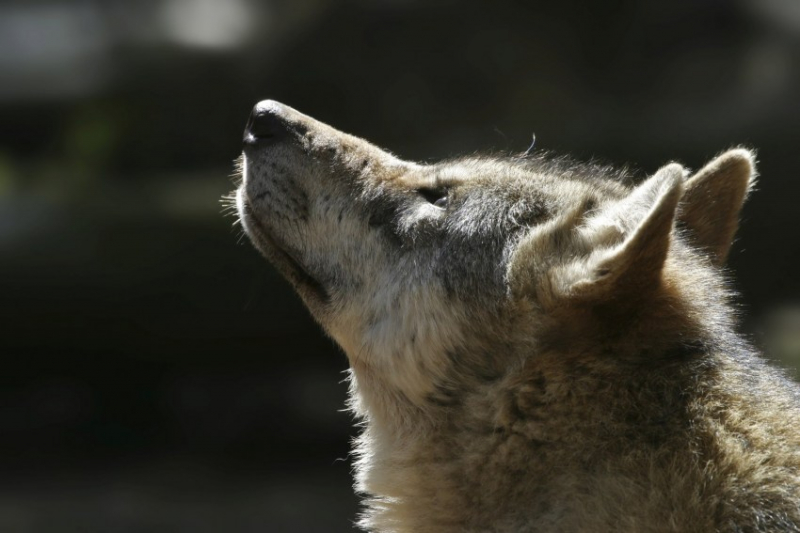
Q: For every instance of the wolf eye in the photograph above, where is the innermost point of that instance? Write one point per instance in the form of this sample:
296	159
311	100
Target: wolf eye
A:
437	197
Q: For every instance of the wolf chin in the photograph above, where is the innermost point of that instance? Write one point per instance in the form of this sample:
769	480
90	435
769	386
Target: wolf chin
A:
534	344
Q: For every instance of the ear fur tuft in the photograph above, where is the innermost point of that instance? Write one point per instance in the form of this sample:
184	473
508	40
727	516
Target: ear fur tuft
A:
617	250
646	218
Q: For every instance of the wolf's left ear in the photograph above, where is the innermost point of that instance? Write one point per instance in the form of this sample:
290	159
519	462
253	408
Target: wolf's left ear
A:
713	199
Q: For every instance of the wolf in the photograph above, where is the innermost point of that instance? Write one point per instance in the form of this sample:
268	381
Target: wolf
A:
534	344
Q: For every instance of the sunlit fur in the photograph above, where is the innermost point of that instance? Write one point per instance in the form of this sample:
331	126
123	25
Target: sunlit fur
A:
552	350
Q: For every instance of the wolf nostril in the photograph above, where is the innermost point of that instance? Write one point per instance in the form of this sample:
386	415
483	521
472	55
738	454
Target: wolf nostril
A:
266	121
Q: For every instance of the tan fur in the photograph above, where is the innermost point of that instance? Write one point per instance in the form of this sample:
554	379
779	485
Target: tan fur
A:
534	345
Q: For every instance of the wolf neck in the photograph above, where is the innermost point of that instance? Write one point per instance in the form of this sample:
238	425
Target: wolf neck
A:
513	443
424	465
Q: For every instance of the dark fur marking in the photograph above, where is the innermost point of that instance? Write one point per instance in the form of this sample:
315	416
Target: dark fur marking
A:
443	396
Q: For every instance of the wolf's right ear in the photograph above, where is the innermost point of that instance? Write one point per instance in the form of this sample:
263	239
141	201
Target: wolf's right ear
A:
710	207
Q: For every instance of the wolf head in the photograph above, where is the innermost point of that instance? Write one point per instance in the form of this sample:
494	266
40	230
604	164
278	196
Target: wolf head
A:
432	276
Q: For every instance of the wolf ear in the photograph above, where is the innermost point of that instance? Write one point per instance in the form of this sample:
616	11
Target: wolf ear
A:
713	199
618	250
628	241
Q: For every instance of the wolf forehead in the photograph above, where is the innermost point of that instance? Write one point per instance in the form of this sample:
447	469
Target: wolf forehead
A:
544	178
495	193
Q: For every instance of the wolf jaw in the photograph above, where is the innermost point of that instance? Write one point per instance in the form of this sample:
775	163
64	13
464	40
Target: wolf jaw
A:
546	349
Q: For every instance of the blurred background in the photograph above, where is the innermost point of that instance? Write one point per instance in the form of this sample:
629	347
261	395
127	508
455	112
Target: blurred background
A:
158	374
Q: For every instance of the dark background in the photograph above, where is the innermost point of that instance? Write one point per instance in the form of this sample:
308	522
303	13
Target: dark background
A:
158	375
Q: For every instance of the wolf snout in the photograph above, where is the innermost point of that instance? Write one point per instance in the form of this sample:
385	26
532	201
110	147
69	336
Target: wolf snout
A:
268	122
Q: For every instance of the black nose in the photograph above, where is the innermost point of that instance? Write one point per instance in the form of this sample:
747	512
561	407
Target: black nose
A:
267	121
